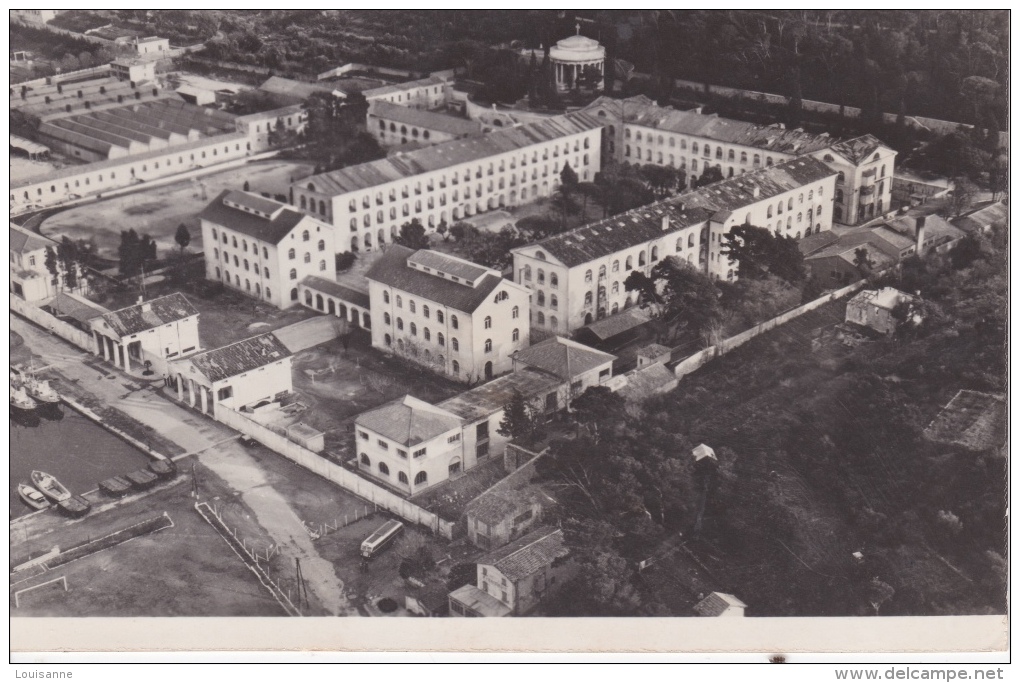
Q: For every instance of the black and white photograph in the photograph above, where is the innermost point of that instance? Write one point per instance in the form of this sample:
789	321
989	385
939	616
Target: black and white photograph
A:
684	318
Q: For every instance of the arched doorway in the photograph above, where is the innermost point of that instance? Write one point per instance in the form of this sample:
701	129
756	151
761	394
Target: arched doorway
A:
587	318
331	307
343	311
319	304
488	370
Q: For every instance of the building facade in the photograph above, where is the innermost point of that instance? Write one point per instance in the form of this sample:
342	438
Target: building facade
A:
576	59
392	124
367	203
578	277
498	517
453	316
235	377
425	93
262	126
263	248
152	47
156	332
30	278
874	308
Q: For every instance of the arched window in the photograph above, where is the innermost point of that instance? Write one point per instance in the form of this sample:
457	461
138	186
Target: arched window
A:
308	298
587	298
453	322
515	312
365	460
630	263
427	334
384	469
386	318
440	339
421	478
400	301
554	280
553	301
293	294
641	258
322	245
308	257
527	272
439	316
488	346
386	297
305	236
840	177
293	274
516	336
414	330
291	254
425	311
789	204
839	195
768	212
402	477
655	253
541	276
616	288
488	322
587	275
322	266
541	298
454	344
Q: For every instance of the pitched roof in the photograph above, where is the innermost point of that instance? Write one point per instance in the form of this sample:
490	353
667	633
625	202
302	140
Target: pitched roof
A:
644	112
403	87
240	357
848	252
693	207
972	419
409	421
618	324
563	358
73	307
342	292
489	398
391	269
495	506
647	381
716	604
979	219
528	554
271	230
150	314
816	242
431	120
23	241
297	90
857	149
447	154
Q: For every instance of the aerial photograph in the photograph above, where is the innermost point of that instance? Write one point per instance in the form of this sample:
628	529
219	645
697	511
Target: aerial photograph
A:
508	313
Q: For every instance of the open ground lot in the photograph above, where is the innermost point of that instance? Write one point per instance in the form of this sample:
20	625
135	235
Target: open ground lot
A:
158	211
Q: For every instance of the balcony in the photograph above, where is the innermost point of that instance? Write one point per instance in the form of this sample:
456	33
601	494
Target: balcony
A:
867	190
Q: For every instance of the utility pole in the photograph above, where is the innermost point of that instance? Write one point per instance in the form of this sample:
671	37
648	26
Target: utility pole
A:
194	481
302	590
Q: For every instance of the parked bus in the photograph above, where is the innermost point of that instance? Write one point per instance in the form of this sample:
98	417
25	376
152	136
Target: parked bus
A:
381	538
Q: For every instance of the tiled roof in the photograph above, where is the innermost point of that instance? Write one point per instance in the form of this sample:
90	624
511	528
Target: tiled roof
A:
391	269
424	119
342	292
619	323
716	604
403	87
887	297
23	241
528	554
816	242
150	314
858	149
240	357
637	226
496	506
489	398
995	213
973	419
936	228
875	239
409	421
72	307
646	382
448	265
264	229
479	601
563	358
643	112
448	154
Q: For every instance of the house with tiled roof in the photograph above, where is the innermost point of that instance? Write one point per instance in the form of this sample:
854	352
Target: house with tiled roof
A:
645	133
516	578
874	308
450	315
409	444
496	518
153	332
720	605
30	278
984	219
577	277
447	182
264	248
238	376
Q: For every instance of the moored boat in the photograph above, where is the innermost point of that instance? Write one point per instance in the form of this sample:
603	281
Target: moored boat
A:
21	400
115	486
32	497
75	506
141	479
164	469
41	391
49	486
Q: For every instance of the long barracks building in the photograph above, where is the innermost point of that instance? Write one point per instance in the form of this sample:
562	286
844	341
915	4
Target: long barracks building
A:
578	277
369	202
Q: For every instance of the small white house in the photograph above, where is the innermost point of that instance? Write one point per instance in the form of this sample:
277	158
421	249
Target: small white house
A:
720	605
156	331
874	308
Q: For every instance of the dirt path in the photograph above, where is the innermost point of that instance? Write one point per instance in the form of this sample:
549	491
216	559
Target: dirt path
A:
224	457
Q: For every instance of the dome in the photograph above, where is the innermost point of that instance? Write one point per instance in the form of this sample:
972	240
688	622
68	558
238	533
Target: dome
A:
577	42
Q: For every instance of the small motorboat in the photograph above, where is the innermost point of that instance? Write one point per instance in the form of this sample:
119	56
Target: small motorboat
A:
20	400
32	498
49	486
41	391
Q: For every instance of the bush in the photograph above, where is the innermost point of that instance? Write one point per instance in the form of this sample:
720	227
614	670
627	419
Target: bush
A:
345	260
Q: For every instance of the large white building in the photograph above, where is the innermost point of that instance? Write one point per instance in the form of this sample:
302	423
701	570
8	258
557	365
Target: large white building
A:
426	93
456	317
641	132
578	277
263	248
392	124
367	203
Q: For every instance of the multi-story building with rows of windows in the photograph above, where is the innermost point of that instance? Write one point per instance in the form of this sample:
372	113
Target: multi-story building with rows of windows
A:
366	204
578	277
641	132
263	248
451	315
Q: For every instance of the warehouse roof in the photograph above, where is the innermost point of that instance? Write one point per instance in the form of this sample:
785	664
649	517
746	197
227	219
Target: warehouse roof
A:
240	357
393	269
149	314
266	220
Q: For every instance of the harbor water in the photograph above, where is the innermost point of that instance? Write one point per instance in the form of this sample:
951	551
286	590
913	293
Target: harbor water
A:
74	449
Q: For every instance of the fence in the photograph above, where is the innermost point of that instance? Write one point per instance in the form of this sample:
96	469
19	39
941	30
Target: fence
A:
693	362
79	338
335	473
320	530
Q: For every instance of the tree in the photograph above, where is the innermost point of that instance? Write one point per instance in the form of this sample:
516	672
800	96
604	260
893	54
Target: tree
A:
462	230
685	297
344	261
520	420
568	179
863	261
443	230
962	196
760	252
128	253
343	332
52	263
183	237
539	227
247	186
712	174
412	235
598	405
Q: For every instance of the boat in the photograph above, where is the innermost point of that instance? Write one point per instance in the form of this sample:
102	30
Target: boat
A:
41	391
32	498
20	400
49	486
115	486
164	469
75	506
141	479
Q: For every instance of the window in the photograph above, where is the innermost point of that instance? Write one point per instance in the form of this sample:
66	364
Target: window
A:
587	275
488	346
420	453
427	334
400	323
414	330
455	345
365	461
516	335
554	280
386	297
400	301
322	245
402	477
382	444
453	322
541	298
439	316
421	478
641	259
308	257
455	366
488	322
293	274
541	276
553	302
384	469
587	298
291	254
425	311
440	339
305	236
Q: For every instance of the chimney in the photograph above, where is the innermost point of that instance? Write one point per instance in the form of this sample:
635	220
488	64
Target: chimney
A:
147	307
665	223
920	235
755	191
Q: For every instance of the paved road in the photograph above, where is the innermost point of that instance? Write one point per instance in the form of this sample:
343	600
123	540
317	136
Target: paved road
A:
307	333
216	450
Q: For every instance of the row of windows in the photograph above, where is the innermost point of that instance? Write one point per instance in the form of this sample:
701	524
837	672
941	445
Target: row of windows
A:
248	285
440	338
384	469
238	264
426	312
